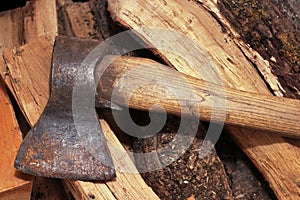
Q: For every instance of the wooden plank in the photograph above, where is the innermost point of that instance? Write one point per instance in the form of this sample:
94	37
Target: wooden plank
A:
242	108
40	20
31	93
11	29
273	155
13	185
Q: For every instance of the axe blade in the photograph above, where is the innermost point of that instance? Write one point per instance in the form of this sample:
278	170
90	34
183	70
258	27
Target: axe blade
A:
54	147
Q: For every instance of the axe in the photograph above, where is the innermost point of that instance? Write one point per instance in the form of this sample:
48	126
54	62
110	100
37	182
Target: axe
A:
58	145
55	148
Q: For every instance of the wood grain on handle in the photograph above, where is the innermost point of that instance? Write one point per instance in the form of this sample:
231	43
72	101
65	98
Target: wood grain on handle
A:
146	82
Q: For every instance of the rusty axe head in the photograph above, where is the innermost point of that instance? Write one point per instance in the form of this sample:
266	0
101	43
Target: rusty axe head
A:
56	146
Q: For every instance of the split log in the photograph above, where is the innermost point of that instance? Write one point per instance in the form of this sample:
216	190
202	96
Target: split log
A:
13	185
37	19
126	185
26	85
263	66
11	29
196	96
273	29
40	20
272	155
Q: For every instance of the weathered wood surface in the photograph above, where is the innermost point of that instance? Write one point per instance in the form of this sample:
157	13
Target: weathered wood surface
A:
40	20
13	184
28	67
127	185
196	24
36	19
78	21
3	69
277	159
262	65
272	28
11	29
239	107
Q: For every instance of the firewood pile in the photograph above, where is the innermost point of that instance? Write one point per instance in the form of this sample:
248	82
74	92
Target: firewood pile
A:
197	62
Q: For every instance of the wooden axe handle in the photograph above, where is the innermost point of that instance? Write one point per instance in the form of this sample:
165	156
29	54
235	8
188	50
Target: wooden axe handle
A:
180	94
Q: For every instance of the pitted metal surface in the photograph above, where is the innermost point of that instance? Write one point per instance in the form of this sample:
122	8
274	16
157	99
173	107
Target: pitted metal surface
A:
55	147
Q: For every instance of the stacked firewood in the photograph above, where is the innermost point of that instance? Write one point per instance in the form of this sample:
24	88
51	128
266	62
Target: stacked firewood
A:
27	36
